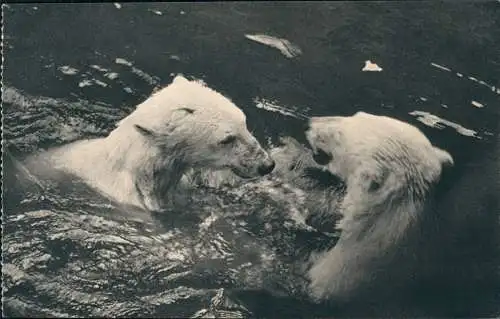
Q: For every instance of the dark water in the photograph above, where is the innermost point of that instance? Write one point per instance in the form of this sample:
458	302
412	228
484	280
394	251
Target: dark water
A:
71	71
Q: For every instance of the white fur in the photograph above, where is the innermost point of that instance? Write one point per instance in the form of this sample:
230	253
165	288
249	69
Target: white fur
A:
179	127
389	167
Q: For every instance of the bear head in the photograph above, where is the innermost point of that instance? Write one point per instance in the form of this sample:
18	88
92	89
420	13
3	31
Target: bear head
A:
377	156
200	128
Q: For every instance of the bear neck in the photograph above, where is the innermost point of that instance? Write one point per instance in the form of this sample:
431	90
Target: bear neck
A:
388	221
132	170
374	237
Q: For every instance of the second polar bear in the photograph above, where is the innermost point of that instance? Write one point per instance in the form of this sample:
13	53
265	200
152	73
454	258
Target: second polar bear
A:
390	169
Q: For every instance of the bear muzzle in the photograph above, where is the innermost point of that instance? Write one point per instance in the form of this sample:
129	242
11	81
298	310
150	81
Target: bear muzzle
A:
320	156
266	167
251	170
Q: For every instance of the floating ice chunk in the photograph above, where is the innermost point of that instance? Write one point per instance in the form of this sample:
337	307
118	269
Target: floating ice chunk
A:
371	67
157	12
123	62
182	12
66	69
117	5
460	75
85	83
477	104
423	98
101	83
440	67
90	82
444	105
284	46
111	75
98	68
440	123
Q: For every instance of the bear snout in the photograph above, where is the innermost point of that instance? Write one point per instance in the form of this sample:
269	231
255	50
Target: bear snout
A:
266	167
321	157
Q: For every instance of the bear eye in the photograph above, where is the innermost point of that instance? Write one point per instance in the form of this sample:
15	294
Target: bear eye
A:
228	140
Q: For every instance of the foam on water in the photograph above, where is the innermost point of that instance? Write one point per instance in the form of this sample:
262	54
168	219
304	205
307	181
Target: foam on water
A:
123	61
111	75
274	107
66	69
91	82
439	123
469	77
106	73
98	68
31	121
106	77
152	80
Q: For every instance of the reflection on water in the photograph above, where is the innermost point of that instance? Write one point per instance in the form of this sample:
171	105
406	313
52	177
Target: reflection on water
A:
75	70
73	253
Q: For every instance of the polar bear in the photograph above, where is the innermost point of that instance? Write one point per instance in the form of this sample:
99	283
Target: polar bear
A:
181	126
390	170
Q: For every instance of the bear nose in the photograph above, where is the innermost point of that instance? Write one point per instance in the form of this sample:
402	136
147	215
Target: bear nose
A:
266	168
321	157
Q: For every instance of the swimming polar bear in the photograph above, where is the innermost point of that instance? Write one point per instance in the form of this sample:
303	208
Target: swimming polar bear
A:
390	169
182	126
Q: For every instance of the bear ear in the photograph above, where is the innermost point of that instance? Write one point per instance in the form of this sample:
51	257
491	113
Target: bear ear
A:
186	109
179	114
144	131
444	157
179	78
361	113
